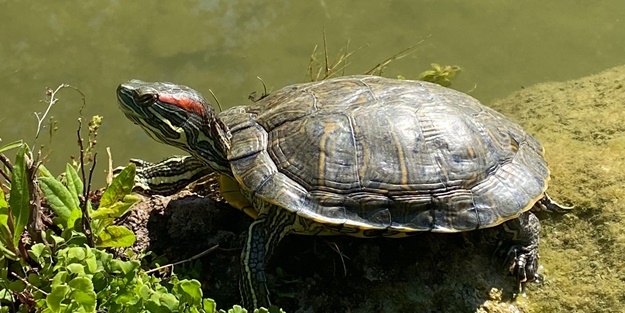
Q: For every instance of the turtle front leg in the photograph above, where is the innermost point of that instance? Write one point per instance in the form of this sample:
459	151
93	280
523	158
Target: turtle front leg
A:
263	236
168	176
253	282
523	254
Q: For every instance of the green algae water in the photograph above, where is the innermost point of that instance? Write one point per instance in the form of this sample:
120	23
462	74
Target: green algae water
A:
501	46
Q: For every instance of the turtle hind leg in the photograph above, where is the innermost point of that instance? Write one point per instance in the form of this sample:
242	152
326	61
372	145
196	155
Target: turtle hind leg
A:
522	258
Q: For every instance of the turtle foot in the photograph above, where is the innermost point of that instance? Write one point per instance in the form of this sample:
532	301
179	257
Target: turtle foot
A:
522	262
522	258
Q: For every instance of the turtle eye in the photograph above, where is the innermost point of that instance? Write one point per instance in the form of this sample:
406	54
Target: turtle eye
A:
146	99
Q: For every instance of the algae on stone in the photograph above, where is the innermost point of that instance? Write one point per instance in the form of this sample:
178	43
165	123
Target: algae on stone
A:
581	124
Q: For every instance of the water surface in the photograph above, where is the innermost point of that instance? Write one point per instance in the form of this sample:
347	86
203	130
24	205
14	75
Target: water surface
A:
224	45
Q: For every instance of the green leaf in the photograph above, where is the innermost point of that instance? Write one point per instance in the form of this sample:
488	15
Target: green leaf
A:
74	184
44	172
82	255
120	186
74	215
3	201
36	279
8	253
59	198
12	145
153	306
237	309
6	296
76	268
6	235
56	296
191	291
170	301
59	278
83	293
16	286
209	305
76	254
115	236
124	267
145	292
115	210
19	200
39	252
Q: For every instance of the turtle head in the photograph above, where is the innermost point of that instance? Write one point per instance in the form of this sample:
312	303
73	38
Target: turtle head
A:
178	116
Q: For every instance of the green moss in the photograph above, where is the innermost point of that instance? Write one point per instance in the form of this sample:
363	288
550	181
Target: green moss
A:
581	124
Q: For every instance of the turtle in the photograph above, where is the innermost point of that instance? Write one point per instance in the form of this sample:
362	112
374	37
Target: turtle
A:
364	156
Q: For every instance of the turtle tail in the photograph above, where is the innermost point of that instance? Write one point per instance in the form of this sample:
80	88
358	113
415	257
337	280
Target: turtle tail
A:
546	204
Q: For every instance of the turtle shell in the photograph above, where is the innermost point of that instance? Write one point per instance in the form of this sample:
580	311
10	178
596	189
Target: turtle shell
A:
372	153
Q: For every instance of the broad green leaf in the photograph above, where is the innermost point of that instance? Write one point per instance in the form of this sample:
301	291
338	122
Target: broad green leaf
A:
44	172
59	278
38	252
54	239
83	293
81	255
6	236
19	200
91	261
74	254
153	306
76	268
127	298
59	198
191	291
56	296
74	215
3	201
103	257
166	300
115	236
120	186
12	145
209	305
16	286
74	184
124	267
144	292
8	253
6	296
115	210
237	309
37	279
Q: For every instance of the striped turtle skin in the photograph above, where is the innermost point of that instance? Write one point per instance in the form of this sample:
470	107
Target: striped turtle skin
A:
359	155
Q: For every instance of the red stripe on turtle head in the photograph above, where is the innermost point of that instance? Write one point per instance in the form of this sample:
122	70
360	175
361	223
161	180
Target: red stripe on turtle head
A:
188	104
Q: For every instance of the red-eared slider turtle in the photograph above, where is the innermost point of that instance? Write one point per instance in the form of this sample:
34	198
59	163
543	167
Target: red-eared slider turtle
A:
360	155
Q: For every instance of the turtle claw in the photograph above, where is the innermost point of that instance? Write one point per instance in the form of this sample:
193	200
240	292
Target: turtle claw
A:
522	263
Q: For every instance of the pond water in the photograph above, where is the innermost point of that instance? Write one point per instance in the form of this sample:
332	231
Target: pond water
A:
224	46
